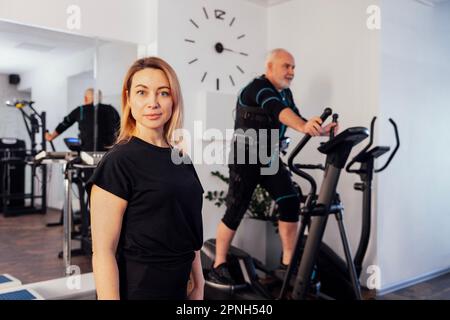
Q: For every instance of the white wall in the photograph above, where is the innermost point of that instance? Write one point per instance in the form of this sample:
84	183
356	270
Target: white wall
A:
337	61
174	27
113	61
133	21
414	219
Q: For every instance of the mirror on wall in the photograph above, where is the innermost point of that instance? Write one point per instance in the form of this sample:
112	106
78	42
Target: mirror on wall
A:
47	71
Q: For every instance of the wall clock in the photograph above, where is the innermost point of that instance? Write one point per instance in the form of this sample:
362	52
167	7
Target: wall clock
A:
216	48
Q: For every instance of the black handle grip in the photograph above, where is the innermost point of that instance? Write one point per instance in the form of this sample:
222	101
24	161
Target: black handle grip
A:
335	120
326	113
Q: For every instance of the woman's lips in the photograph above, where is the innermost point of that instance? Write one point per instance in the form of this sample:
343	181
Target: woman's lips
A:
153	116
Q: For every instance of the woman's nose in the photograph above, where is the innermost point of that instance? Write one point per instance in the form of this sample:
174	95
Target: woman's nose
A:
152	101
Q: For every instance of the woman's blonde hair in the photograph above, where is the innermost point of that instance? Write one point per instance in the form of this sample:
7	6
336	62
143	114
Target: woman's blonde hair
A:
128	123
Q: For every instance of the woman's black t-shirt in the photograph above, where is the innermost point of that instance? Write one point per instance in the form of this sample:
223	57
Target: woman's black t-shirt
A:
162	222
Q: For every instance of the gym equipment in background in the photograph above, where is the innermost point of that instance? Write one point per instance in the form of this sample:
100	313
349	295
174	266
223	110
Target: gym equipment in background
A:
14	160
12	174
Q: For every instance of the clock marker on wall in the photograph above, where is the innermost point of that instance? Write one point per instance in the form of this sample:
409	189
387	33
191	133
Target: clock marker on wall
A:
219	43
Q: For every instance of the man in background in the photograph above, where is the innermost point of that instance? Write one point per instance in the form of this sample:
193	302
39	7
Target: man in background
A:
90	116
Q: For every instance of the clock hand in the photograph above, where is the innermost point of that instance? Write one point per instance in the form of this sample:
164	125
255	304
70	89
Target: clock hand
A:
220	48
241	53
226	49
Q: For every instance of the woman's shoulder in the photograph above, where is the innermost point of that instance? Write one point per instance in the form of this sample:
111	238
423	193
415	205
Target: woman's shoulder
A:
119	152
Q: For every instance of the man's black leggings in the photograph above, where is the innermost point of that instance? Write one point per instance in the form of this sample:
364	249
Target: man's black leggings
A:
243	180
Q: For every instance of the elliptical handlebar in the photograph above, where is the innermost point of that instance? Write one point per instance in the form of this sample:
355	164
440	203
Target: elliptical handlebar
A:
350	164
326	113
294	168
335	120
310	166
366	148
397	146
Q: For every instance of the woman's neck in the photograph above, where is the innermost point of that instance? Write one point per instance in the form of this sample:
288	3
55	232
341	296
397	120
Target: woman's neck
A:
152	136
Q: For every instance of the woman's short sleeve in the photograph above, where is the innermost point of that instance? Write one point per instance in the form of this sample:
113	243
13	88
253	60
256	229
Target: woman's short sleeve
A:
112	175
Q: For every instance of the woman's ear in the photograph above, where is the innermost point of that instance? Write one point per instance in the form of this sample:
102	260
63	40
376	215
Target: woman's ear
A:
128	96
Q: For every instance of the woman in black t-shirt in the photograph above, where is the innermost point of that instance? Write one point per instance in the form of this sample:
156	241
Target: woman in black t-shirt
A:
145	207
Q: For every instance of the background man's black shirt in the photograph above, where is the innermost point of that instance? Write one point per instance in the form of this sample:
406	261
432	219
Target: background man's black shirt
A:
108	121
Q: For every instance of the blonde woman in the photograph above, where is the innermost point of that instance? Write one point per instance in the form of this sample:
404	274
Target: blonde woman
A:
146	210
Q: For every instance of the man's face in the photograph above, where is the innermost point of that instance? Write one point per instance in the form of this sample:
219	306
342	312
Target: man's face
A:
89	97
282	70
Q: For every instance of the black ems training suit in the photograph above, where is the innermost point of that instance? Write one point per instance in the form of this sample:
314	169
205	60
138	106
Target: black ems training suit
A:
258	107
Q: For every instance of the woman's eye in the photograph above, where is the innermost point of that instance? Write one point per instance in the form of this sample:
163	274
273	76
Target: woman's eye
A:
165	94
140	92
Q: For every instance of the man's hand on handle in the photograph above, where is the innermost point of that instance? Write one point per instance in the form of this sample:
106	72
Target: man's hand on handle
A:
327	129
50	136
312	127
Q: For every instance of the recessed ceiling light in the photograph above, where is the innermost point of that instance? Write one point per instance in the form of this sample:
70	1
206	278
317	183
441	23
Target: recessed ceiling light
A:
34	47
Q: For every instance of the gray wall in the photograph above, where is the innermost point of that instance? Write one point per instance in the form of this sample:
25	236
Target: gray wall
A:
414	215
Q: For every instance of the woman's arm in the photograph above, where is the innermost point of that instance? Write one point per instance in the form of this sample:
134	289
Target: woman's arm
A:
197	279
106	223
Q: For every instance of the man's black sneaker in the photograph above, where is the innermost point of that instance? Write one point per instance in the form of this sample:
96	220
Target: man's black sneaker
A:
283	266
280	272
221	275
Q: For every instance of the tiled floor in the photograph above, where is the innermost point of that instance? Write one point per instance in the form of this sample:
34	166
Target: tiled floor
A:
29	251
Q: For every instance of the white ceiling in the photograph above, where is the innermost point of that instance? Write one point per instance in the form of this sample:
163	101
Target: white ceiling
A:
267	3
432	2
23	48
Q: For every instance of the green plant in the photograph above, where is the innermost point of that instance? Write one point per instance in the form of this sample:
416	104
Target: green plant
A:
261	205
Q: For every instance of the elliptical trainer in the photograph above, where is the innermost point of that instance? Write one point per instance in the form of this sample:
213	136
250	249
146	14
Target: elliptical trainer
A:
243	267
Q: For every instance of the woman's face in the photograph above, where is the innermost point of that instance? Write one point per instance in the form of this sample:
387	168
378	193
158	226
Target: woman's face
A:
150	99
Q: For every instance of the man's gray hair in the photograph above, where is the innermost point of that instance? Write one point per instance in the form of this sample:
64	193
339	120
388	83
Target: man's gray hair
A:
272	55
